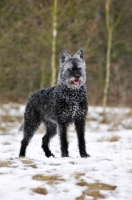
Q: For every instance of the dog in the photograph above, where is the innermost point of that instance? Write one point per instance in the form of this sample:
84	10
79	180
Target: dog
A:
59	106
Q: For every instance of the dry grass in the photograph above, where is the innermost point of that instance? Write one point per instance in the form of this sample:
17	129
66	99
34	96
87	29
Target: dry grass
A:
113	138
5	163
32	166
40	190
11	119
49	179
89	118
94	194
93	189
27	162
6	143
105	121
79	175
3	129
9	123
101	186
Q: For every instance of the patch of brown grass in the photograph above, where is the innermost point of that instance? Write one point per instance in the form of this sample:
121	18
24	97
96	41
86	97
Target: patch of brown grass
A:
27	162
5	163
49	179
7	118
91	118
78	175
40	190
101	186
32	166
94	193
11	119
93	189
3	129
6	143
105	121
114	138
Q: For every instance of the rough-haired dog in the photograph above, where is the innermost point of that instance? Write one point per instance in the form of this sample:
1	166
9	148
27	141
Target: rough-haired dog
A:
59	106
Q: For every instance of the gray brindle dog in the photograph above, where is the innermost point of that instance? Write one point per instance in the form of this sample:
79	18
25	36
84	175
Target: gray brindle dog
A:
59	106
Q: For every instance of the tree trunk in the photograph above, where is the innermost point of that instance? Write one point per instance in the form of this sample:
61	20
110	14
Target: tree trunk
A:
54	36
108	54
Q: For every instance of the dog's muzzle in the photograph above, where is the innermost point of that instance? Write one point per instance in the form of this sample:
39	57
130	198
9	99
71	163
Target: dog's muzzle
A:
77	79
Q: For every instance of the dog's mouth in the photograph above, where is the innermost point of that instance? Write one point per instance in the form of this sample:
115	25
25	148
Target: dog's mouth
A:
76	82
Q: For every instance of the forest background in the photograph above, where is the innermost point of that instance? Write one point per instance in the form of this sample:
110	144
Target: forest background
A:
26	46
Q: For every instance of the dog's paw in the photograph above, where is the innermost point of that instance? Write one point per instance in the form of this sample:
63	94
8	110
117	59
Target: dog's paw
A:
21	156
85	155
52	155
49	155
64	155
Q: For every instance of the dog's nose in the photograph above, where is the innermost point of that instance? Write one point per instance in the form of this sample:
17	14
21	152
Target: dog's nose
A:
77	76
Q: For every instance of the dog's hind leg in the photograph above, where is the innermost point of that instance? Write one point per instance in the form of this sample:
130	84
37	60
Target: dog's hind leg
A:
31	124
29	130
51	130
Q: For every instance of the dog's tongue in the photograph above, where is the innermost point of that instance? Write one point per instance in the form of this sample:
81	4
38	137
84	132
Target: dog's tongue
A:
76	82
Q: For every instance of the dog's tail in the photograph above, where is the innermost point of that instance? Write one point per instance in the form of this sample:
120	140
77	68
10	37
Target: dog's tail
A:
21	127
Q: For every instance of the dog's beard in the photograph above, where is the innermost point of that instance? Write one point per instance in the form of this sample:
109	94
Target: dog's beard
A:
75	83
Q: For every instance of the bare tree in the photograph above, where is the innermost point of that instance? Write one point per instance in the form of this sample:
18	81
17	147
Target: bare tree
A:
108	53
54	36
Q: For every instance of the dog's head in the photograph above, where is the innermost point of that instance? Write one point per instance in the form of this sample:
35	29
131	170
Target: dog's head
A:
72	70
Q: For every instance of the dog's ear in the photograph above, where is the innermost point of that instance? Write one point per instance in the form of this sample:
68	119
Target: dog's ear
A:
79	55
64	56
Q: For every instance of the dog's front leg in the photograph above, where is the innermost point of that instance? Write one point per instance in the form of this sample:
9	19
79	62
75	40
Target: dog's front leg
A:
62	128
80	129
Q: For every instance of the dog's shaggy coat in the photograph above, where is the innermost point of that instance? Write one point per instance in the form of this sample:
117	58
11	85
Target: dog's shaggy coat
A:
59	106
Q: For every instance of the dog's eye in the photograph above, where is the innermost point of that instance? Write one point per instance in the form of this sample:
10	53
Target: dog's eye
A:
70	69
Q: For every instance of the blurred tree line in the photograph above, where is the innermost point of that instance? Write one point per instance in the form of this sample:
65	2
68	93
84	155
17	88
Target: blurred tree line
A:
26	46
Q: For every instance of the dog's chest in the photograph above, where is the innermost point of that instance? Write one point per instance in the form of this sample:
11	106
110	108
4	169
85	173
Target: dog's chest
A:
75	110
70	106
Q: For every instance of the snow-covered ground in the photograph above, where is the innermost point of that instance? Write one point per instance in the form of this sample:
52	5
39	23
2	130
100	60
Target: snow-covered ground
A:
107	174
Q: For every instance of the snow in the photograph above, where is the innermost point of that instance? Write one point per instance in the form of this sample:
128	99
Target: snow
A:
110	162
